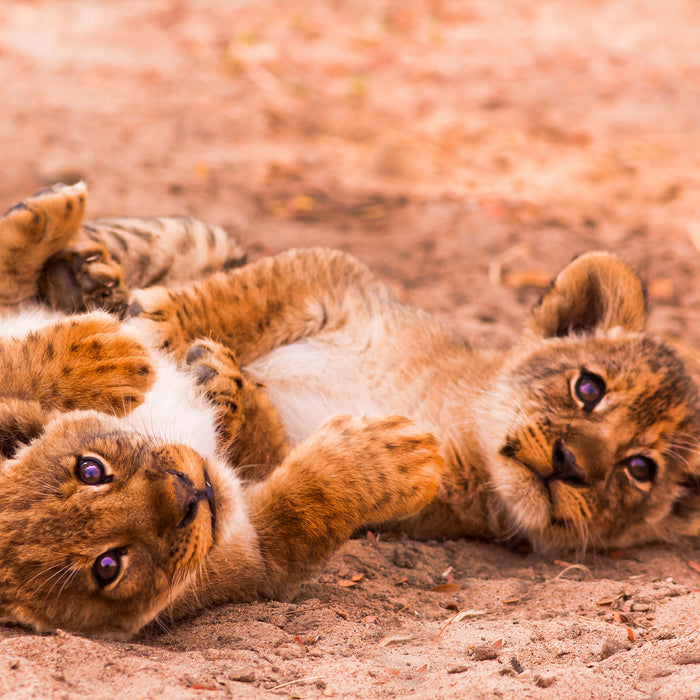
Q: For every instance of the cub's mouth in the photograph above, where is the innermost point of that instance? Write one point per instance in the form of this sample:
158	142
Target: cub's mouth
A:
545	496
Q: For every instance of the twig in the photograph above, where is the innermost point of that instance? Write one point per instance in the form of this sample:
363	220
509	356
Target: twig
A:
577	567
307	679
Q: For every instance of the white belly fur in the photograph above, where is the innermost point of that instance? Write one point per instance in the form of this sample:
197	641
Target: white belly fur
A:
309	381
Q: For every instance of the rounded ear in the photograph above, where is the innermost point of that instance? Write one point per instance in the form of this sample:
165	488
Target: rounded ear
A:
597	291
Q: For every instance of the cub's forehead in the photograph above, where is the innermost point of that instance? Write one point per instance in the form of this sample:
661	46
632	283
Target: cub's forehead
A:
640	364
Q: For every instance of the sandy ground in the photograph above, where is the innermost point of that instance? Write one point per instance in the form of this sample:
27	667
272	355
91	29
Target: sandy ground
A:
466	151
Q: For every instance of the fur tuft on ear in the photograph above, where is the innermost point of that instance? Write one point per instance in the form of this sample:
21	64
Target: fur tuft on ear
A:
597	291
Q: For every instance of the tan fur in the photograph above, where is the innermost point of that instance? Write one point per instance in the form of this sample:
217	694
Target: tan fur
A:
525	456
121	489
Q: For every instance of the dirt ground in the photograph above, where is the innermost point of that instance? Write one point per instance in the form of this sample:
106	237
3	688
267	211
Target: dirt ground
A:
465	149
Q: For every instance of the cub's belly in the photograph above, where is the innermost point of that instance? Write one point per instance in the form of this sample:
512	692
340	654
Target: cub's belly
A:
310	381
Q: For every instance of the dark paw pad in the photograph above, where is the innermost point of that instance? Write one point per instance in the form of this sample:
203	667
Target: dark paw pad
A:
196	352
204	374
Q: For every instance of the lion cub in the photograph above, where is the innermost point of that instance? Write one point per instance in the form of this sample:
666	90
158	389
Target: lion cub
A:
121	496
585	433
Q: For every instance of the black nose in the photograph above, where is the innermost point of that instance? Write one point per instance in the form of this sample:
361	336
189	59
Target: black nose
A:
564	465
186	497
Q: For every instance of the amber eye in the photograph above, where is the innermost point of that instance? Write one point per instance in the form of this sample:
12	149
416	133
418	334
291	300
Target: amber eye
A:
91	471
640	468
589	389
107	567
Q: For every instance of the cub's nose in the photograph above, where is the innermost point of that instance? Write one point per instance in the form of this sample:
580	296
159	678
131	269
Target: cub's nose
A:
564	466
186	497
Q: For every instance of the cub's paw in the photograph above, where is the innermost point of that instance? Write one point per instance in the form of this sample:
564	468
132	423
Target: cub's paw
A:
399	464
83	276
155	313
93	363
32	231
216	369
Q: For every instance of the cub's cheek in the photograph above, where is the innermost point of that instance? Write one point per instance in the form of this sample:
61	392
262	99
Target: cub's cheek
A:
523	494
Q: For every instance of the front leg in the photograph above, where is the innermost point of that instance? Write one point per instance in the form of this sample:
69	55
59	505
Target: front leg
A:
351	473
250	433
263	305
85	362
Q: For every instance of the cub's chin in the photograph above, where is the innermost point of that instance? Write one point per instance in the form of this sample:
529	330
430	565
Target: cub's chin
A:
551	515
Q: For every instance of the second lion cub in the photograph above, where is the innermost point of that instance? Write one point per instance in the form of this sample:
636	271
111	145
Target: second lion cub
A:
584	433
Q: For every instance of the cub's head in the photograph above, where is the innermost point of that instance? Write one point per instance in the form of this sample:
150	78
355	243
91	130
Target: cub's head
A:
100	528
596	423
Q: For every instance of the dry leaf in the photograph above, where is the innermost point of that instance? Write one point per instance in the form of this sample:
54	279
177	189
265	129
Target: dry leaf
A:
201	169
694	565
661	289
630	634
446	588
346	583
536	277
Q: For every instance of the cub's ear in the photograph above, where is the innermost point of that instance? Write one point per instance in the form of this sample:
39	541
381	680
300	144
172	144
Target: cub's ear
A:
597	291
20	422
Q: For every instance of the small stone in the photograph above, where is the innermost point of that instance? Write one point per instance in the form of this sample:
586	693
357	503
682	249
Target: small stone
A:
457	669
242	676
613	646
485	652
543	681
687	657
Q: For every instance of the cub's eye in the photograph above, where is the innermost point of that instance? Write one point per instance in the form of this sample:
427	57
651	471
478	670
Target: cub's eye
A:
107	567
589	389
91	471
640	468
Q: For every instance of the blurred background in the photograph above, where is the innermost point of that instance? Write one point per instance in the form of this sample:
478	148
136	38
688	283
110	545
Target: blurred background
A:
465	149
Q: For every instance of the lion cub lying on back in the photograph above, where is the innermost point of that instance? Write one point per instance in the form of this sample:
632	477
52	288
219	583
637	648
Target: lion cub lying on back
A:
119	497
584	433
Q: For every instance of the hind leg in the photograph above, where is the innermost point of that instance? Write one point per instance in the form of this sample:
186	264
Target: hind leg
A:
250	433
31	232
